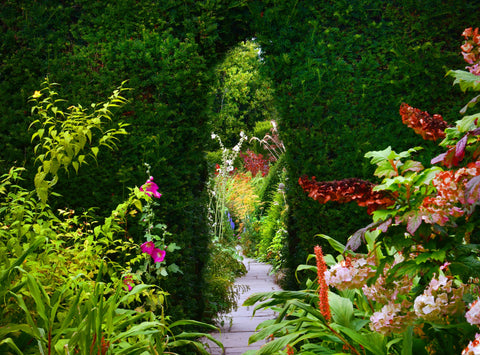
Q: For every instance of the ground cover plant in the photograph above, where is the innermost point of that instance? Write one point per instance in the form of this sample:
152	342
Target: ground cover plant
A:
70	283
407	283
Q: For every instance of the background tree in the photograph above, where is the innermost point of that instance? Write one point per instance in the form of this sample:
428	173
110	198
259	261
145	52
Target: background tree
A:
242	95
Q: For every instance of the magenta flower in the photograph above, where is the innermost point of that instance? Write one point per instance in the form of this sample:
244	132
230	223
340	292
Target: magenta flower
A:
148	247
158	255
128	282
150	188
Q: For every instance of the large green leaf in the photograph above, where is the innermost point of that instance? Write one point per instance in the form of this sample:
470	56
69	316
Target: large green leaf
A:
372	341
277	344
465	79
339	247
342	309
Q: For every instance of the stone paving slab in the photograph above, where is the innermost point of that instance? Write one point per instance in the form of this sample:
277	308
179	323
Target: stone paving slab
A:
234	335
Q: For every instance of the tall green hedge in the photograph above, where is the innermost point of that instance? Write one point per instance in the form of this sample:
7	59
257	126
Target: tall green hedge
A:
166	50
340	71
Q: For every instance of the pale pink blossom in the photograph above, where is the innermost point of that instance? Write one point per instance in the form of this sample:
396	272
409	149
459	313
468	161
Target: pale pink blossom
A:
350	273
473	347
439	300
384	292
392	318
473	314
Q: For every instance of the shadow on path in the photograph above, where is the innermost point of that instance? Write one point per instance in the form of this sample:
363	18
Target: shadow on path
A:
234	334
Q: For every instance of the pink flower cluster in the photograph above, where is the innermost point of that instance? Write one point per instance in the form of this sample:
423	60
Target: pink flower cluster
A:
473	314
350	273
395	315
451	195
473	317
473	347
471	49
440	300
384	293
392	318
158	255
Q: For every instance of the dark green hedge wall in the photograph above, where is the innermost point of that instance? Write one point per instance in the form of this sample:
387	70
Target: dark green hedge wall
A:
340	71
166	50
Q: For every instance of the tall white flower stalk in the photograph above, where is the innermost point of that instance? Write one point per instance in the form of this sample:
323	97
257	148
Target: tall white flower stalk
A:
218	197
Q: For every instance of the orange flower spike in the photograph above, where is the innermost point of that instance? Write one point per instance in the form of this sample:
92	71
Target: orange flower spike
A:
323	293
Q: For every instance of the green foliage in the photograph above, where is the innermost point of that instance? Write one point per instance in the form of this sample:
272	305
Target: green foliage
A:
64	135
242	97
77	318
272	247
54	266
222	270
271	184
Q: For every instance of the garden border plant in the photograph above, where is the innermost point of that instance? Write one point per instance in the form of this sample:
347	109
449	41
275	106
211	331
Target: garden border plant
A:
417	286
63	271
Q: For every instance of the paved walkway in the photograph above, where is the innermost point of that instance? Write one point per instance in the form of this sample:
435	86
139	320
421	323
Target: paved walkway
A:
234	335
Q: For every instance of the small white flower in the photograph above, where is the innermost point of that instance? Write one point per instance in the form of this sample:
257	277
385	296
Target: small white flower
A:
213	136
236	148
243	135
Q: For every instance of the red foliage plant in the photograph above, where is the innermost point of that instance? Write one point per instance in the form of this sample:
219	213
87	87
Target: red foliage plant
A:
255	163
429	127
347	190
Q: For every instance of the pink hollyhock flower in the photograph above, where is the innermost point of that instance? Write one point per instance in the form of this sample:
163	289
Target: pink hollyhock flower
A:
158	255
148	247
150	188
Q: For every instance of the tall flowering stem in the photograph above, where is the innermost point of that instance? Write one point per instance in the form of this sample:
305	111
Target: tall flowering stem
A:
218	201
323	292
323	303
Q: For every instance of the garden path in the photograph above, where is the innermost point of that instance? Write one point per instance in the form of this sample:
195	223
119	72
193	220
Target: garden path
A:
240	324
